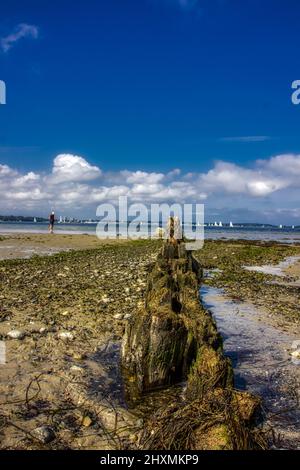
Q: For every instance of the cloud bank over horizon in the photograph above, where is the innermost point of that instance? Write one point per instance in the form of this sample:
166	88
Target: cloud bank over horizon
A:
266	192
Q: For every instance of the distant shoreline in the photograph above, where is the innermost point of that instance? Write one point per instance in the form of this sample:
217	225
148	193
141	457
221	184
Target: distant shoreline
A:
262	234
207	225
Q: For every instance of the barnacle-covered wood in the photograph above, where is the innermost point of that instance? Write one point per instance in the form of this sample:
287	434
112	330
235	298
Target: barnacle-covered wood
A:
173	331
173	338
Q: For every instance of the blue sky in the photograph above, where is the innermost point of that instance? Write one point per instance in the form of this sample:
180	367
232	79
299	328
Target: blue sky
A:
138	88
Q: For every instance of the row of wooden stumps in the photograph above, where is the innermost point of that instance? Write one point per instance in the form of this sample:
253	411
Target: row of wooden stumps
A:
173	338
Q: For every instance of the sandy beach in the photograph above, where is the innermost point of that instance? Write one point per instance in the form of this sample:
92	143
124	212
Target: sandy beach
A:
25	245
62	319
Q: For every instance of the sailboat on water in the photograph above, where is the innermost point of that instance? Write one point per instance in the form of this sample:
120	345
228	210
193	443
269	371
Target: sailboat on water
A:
230	224
34	220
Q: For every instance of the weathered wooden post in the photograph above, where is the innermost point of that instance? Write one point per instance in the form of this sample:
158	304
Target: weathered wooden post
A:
173	338
162	339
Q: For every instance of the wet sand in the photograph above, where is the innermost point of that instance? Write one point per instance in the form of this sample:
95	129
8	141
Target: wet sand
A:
70	309
89	295
19	245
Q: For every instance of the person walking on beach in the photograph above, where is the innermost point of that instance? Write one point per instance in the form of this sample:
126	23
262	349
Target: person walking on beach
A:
51	221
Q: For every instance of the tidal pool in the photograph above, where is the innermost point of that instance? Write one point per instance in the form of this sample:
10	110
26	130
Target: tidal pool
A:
261	357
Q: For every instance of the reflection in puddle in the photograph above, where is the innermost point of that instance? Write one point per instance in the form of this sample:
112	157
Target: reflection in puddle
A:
105	375
260	354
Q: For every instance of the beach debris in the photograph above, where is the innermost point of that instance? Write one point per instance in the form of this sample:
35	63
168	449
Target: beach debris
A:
44	434
16	334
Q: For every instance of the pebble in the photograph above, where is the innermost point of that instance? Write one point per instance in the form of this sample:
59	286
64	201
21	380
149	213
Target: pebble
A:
77	369
16	334
65	313
44	434
296	344
78	357
86	422
296	354
66	336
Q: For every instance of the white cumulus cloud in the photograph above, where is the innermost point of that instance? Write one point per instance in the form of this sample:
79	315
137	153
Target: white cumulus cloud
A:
74	184
68	167
231	178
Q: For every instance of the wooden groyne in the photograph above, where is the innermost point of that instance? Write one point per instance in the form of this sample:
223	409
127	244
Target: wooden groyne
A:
171	339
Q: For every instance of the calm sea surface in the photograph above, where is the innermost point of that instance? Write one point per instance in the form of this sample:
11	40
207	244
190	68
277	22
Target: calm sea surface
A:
285	235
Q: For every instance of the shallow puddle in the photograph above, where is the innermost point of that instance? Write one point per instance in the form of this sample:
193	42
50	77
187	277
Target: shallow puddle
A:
274	270
104	372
